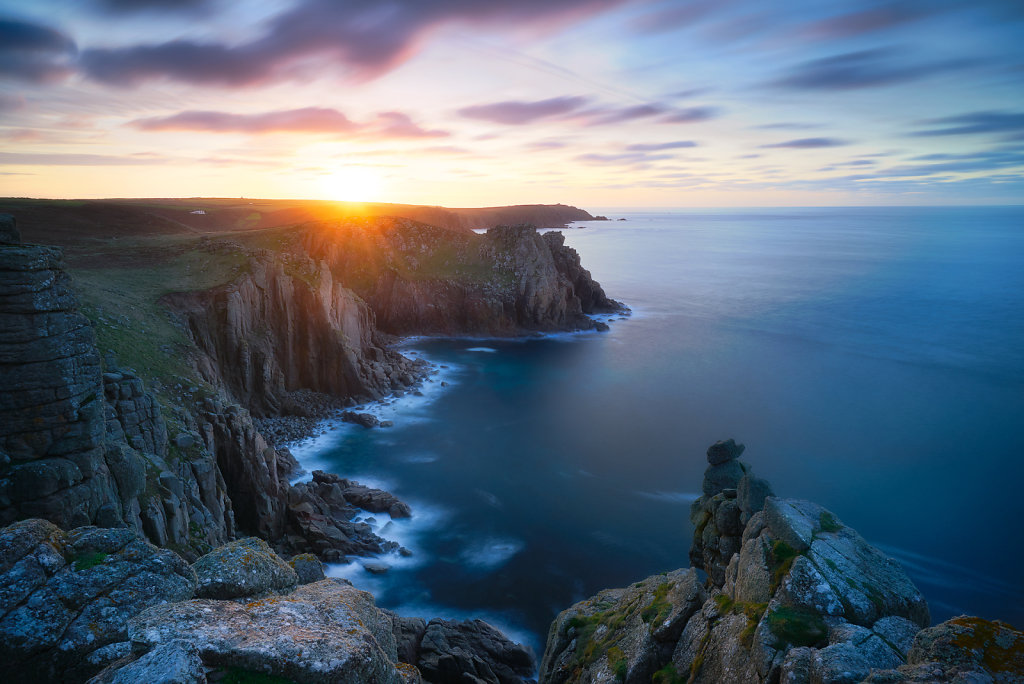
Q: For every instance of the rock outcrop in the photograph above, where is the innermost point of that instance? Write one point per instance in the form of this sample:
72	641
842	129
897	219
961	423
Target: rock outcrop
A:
792	595
52	421
66	596
107	605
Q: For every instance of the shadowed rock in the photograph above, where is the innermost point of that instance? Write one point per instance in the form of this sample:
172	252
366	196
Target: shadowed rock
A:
247	567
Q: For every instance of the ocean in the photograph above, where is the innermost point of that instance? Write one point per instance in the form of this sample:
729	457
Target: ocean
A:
871	359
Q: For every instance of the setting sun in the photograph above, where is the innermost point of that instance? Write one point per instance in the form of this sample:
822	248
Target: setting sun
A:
352	184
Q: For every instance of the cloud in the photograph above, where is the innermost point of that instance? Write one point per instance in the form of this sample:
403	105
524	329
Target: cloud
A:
34	53
517	113
808	143
657	147
119	6
880	18
399	125
691	115
9	103
546	145
627	158
17	158
305	120
864	69
604	117
315	120
975	122
366	36
788	126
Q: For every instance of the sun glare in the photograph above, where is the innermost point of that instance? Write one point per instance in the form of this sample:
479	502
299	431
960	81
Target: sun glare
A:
352	184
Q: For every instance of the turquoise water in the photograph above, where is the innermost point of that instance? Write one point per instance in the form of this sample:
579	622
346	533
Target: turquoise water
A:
871	360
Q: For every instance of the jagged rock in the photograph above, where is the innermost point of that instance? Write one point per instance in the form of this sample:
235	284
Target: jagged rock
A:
408	633
67	595
454	651
173	662
367	498
367	420
308	568
964	649
628	630
321	632
726	475
247	567
796	597
723	451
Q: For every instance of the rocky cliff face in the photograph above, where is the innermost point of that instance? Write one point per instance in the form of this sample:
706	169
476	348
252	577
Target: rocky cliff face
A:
424	280
792	596
271	332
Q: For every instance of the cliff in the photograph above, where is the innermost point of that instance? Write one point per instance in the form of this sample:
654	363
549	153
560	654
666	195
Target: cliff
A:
420	279
792	595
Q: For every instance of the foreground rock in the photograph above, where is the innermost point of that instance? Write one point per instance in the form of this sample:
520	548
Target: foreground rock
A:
322	632
66	598
247	567
793	595
471	650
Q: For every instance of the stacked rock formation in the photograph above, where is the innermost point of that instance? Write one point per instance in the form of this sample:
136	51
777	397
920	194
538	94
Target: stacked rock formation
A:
792	595
108	607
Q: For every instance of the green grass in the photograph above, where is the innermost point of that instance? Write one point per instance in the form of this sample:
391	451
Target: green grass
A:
829	523
88	560
780	560
797	627
659	608
667	675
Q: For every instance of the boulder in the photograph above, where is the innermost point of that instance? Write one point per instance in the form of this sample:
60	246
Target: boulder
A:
66	597
323	632
308	568
247	567
725	475
723	451
173	662
453	651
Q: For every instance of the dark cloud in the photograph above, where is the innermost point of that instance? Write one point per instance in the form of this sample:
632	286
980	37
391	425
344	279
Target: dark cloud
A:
518	113
808	143
657	147
317	120
988	160
367	36
976	122
671	16
34	53
864	69
692	115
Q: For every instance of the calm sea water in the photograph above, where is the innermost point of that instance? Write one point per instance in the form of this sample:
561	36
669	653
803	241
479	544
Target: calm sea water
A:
871	360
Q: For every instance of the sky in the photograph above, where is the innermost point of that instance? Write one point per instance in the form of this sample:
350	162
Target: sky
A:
597	103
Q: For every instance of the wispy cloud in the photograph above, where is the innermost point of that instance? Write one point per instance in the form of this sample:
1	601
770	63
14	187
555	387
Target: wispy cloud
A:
43	159
517	113
807	143
657	147
975	123
692	115
864	69
316	120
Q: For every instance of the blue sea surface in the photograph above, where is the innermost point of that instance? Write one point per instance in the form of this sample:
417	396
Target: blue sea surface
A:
871	359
